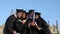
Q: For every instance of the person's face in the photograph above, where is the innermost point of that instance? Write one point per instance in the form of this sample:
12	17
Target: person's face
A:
31	13
24	15
19	15
36	16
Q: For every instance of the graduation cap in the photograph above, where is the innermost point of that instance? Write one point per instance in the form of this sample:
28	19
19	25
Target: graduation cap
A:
19	10
24	11
37	13
31	10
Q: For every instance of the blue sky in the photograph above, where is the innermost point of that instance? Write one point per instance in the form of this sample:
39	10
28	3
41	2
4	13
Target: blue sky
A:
50	9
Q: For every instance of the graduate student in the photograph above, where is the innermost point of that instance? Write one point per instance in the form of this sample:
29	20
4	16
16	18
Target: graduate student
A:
20	25
8	29
42	24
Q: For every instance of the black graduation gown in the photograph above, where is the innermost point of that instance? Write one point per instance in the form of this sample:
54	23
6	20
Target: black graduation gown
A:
40	25
31	30
19	27
29	20
25	26
8	29
45	26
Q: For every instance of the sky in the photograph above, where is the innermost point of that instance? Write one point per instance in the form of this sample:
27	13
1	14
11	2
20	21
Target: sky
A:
49	9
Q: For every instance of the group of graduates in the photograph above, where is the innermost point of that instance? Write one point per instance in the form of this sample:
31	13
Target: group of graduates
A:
23	22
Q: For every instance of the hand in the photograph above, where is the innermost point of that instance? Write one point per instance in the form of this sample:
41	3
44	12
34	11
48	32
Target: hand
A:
33	24
39	28
14	32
